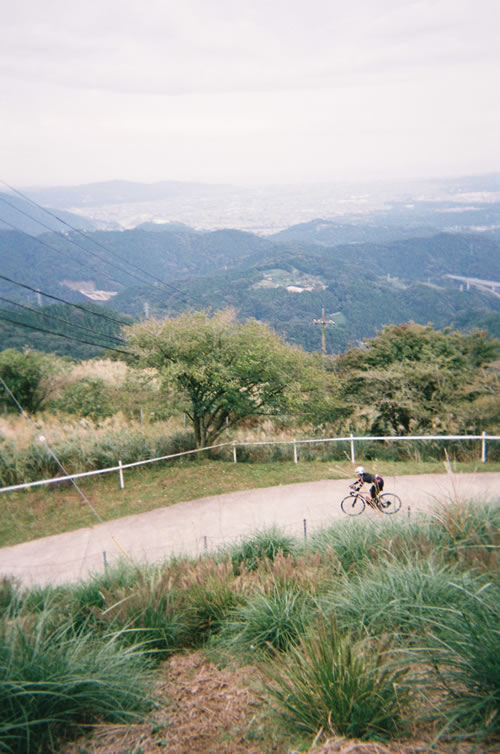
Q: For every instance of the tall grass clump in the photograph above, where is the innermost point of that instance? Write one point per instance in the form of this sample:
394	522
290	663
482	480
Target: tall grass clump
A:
147	612
468	533
53	682
332	682
398	597
355	543
462	654
80	446
273	620
266	544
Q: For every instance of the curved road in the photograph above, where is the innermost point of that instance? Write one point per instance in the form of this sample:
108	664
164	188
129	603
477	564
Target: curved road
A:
196	526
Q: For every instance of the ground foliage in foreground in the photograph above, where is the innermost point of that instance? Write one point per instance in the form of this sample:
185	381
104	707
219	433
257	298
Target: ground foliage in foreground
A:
433	638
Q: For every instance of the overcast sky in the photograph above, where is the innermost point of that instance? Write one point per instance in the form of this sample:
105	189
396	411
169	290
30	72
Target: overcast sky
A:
260	91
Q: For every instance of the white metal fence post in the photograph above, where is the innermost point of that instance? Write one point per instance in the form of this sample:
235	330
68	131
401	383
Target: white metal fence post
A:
295	459
483	448
235	457
120	473
353	454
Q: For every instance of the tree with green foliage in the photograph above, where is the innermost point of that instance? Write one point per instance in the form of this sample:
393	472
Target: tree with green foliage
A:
414	378
88	397
227	370
27	376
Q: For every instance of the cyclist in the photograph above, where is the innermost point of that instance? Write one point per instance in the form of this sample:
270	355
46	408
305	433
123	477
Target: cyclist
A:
365	477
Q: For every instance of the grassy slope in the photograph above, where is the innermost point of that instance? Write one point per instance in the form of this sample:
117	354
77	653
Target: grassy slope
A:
45	511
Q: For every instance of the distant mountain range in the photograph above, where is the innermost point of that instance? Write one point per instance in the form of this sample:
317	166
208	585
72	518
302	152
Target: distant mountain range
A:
371	255
285	279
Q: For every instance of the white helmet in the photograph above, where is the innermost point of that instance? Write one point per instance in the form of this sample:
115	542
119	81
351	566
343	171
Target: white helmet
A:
359	470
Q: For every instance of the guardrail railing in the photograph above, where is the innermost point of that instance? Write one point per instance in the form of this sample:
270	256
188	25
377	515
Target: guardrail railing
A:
351	439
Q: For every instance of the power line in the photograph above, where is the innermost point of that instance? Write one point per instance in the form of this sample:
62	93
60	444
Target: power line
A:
43	440
63	301
72	240
54	249
60	335
64	321
97	243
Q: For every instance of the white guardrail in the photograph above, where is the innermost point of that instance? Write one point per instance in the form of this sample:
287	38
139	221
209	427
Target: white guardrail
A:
483	438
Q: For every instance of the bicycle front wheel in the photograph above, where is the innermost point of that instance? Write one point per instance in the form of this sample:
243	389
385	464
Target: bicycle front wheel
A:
353	505
389	503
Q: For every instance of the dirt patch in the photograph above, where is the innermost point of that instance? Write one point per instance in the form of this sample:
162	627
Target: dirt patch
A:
201	709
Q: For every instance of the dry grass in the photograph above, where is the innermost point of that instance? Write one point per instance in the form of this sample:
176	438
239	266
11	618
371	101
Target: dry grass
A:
57	430
113	373
200	709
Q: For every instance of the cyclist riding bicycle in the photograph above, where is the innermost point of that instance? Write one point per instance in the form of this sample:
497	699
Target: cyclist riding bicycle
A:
365	477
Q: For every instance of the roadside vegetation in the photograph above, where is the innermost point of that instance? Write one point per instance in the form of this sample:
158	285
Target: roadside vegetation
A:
383	633
378	633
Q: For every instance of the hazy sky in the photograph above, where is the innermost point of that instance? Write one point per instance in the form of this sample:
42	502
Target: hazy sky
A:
267	91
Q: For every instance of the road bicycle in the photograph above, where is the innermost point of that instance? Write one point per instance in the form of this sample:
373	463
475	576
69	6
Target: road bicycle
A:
355	503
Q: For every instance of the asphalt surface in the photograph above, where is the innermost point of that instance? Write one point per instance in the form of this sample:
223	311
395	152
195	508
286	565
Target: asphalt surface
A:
198	526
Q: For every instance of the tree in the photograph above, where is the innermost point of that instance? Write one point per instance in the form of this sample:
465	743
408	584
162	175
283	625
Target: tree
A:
413	378
226	369
88	397
27	376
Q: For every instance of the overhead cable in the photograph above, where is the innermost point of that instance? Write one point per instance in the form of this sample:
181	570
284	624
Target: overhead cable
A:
61	335
63	301
64	321
43	440
97	243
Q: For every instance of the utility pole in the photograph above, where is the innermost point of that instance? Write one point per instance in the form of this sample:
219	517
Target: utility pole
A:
324	324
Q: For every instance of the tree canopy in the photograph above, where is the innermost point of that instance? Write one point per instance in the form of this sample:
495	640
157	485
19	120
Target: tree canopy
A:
227	370
414	378
27	376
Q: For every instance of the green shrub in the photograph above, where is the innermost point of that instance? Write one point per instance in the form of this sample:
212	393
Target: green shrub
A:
468	533
89	397
332	682
210	593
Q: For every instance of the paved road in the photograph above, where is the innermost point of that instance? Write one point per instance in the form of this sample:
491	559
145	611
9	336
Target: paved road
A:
205	524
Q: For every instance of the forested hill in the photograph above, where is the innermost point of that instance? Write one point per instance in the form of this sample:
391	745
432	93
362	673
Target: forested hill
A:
362	286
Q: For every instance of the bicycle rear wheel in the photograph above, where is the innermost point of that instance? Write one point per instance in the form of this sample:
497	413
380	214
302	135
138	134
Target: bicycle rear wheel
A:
389	503
353	505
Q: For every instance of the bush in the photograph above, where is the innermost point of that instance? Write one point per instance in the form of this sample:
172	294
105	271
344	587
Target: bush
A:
355	543
89	397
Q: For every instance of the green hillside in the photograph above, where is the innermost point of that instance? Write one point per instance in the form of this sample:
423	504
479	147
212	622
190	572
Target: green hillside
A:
362	286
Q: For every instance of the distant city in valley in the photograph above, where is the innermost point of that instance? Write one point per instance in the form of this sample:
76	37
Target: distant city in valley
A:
269	209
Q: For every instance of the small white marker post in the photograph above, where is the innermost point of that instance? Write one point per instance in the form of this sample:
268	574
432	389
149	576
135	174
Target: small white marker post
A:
120	473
